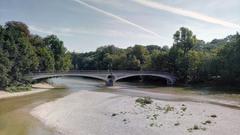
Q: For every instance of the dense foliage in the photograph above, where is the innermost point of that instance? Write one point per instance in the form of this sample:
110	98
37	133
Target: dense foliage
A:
190	59
22	53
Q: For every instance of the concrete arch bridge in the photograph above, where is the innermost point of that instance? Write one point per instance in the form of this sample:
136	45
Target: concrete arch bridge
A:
109	77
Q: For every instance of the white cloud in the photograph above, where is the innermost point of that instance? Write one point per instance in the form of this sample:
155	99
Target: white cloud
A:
58	31
118	18
40	30
187	13
80	31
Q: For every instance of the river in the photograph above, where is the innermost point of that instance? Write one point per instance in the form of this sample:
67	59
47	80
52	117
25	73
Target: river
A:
15	117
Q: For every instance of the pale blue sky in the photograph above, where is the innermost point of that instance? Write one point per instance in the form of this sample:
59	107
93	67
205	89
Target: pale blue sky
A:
87	24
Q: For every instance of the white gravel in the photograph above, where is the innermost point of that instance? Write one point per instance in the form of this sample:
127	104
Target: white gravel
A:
97	113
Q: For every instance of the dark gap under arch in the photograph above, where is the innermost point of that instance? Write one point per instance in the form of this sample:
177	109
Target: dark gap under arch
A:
145	80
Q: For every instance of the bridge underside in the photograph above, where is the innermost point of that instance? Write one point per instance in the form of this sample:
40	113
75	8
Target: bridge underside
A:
164	79
146	79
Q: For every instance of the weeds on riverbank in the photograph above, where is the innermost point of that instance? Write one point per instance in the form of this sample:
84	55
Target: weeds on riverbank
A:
144	101
20	88
196	127
168	108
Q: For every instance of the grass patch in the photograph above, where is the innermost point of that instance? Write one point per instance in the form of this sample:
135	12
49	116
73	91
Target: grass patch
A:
168	108
19	88
196	127
144	101
183	109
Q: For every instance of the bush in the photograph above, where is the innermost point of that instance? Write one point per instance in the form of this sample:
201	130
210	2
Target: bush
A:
168	108
18	88
144	101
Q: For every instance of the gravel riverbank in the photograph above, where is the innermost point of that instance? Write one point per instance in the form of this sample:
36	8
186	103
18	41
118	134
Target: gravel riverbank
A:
98	113
36	88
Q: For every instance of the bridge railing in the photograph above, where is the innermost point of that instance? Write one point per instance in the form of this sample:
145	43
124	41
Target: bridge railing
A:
70	72
102	71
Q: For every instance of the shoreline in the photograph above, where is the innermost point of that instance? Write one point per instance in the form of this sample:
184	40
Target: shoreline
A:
36	88
178	97
109	113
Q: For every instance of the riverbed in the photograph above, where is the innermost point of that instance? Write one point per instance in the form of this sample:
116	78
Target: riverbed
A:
15	115
15	118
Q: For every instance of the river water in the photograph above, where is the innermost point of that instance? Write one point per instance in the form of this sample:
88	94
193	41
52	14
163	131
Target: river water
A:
16	120
14	112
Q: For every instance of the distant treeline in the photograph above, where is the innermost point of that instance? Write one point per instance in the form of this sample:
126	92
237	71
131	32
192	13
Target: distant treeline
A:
22	53
190	59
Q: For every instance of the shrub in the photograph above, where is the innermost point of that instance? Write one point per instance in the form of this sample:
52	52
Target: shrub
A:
168	108
184	109
177	124
213	116
195	127
144	101
18	88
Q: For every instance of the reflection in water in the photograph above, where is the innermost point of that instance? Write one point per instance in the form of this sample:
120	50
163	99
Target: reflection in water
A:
74	84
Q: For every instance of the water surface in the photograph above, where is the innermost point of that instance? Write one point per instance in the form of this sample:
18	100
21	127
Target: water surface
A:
14	112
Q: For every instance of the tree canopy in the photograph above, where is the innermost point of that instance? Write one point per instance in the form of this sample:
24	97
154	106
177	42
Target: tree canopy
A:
22	53
190	59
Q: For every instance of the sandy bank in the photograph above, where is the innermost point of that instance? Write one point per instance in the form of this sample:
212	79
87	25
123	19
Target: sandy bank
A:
93	113
42	86
178	97
36	88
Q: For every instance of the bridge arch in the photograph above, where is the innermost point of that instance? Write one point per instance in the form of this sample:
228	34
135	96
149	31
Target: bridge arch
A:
169	80
108	78
40	77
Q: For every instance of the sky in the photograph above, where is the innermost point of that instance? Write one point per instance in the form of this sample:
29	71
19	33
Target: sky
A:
84	25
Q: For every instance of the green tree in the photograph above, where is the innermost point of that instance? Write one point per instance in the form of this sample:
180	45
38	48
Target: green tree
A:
22	53
4	62
19	50
140	52
228	61
184	41
4	69
44	54
75	61
59	52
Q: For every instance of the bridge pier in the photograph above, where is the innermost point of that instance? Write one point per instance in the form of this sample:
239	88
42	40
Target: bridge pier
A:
170	83
109	82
